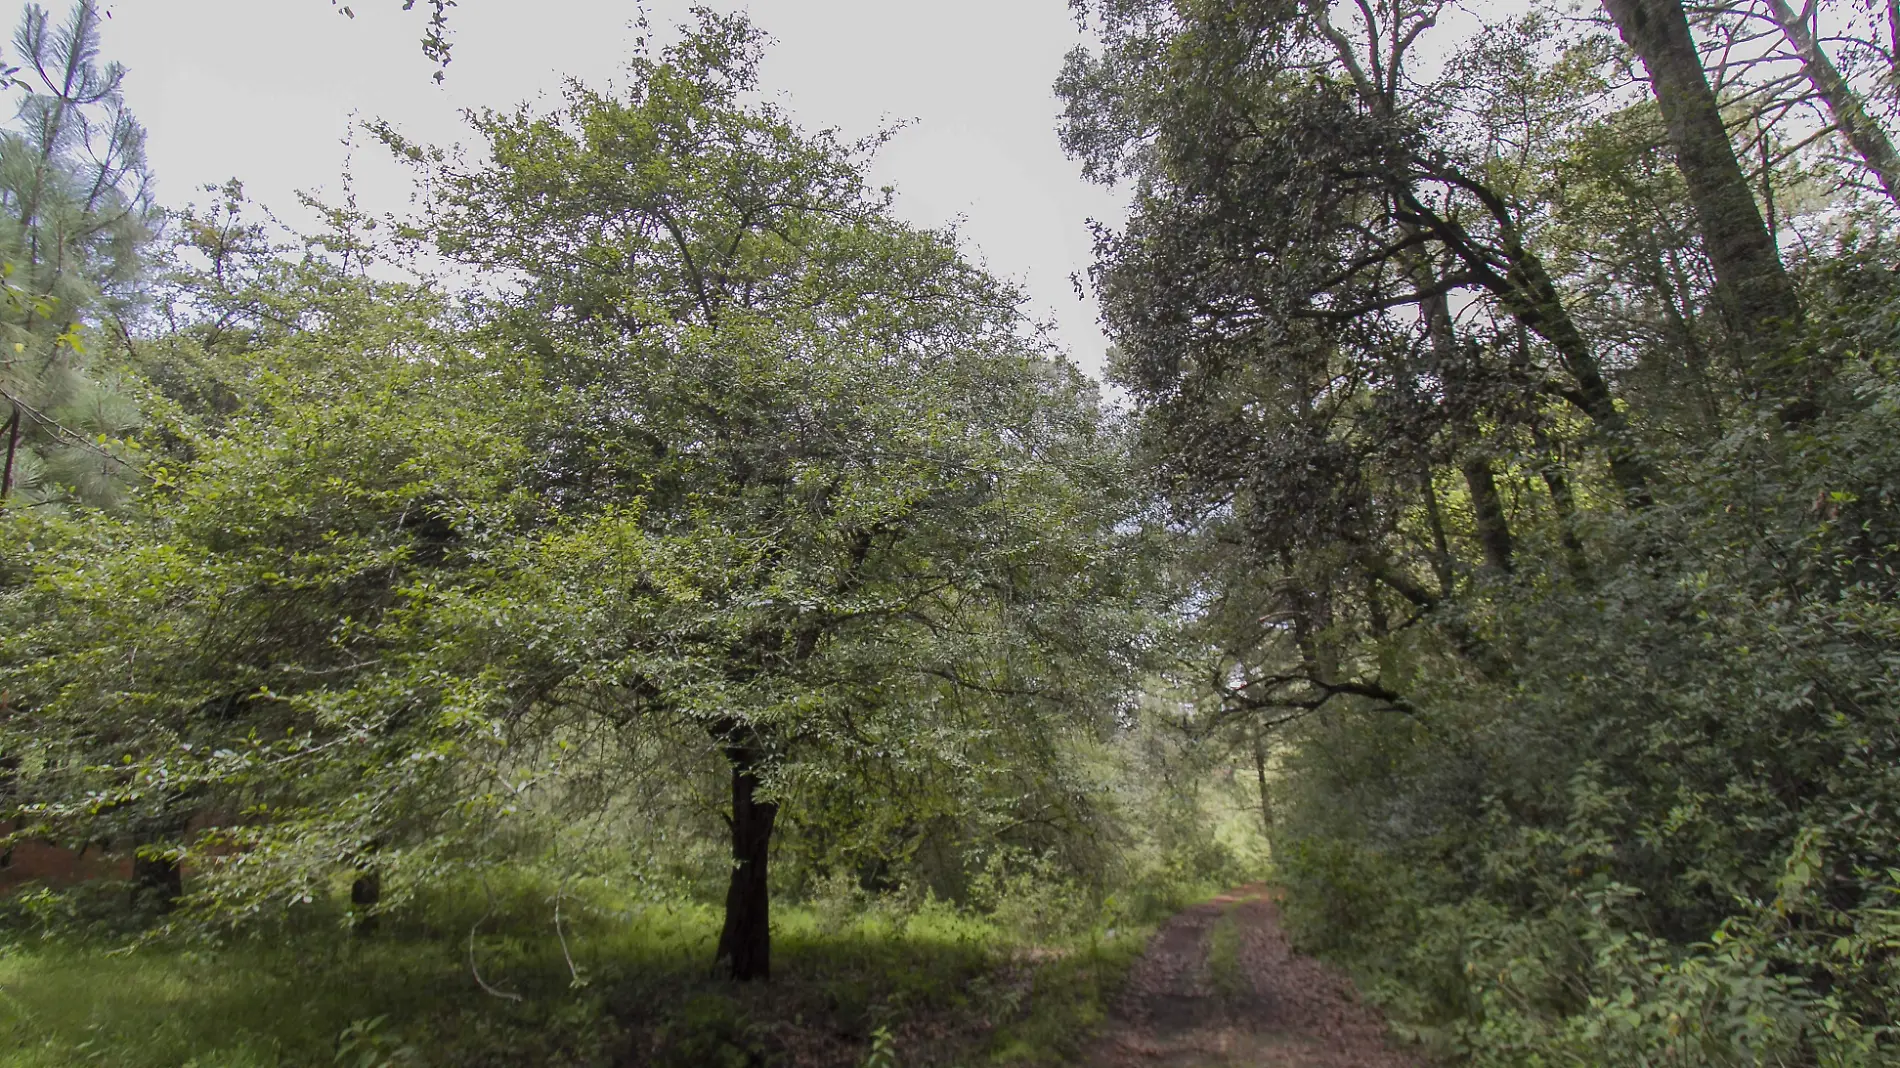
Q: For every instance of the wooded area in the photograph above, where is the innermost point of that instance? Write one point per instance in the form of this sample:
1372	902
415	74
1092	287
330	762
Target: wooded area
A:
654	605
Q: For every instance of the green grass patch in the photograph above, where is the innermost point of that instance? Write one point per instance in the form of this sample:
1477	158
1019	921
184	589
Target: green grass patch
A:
632	985
1224	972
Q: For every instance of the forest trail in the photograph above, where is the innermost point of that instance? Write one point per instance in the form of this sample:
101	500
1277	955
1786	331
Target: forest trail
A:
1221	987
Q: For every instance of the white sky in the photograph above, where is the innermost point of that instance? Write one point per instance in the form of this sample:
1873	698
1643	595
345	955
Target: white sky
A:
264	91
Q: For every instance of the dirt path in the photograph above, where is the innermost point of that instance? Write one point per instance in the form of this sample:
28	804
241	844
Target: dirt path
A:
1219	987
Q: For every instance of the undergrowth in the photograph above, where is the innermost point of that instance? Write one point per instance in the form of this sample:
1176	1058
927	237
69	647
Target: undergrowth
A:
480	976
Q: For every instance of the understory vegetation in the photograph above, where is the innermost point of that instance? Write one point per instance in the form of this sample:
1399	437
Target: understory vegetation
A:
653	604
625	980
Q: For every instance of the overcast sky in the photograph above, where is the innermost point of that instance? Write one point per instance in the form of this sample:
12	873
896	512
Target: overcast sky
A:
264	91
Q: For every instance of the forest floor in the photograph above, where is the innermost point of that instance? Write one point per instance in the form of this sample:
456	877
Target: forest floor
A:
1220	987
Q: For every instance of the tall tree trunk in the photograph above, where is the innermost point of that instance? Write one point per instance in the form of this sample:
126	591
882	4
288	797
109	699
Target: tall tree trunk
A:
1260	778
13	448
1893	37
1441	546
1494	529
1487	509
1751	286
1562	501
1857	125
745	942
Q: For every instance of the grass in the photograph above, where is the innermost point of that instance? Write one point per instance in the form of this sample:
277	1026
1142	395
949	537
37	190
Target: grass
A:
1224	972
632	986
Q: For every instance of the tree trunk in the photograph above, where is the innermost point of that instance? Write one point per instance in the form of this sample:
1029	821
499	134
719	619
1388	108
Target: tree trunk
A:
1487	509
9	775
13	448
157	881
1562	501
1851	117
745	943
1441	546
1754	291
1260	777
365	893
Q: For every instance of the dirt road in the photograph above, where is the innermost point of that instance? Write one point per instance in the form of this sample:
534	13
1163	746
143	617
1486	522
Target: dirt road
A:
1219	987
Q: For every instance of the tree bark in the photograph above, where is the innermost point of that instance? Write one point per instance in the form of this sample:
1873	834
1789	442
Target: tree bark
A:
1487	509
1754	292
745	942
1562	501
1860	129
13	448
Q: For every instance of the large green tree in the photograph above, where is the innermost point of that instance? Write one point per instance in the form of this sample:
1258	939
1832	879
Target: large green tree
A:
897	504
730	467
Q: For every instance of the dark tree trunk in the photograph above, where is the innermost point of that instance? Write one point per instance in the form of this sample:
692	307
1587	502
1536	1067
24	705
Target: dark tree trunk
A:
1532	298
1751	286
366	890
745	943
13	447
365	893
157	881
1260	779
1441	546
9	774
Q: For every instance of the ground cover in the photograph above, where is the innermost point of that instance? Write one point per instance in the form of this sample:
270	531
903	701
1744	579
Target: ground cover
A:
481	979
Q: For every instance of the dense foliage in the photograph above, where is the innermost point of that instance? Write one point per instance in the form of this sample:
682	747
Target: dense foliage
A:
1547	515
525	595
717	470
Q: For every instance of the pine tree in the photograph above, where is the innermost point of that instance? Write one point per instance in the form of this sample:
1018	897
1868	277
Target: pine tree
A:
75	215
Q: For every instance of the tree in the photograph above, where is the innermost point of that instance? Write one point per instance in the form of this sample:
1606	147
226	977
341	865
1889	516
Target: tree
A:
75	214
739	472
1754	290
882	482
1493	510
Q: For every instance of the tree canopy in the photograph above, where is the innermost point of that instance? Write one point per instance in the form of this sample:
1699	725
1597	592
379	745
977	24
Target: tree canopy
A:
1489	535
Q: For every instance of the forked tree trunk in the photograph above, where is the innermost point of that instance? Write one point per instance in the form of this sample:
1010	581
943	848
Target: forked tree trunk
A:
745	943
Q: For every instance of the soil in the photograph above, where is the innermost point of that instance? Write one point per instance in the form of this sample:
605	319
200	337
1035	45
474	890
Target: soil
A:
1258	1005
